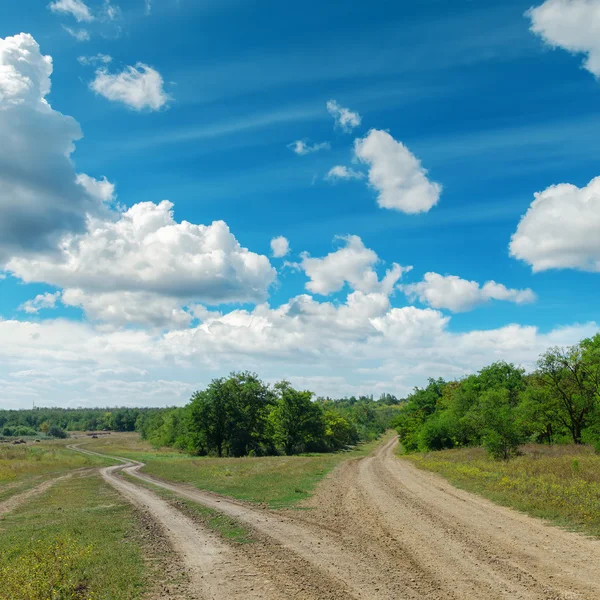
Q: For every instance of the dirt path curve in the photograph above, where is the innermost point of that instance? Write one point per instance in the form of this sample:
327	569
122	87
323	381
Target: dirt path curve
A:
458	545
217	570
381	529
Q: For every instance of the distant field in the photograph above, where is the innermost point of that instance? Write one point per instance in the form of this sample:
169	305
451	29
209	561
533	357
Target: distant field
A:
64	544
279	481
26	465
559	483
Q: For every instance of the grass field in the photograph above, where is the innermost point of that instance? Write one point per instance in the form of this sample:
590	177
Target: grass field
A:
558	483
79	540
279	481
23	466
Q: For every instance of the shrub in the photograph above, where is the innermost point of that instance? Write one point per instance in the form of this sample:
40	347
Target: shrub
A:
57	432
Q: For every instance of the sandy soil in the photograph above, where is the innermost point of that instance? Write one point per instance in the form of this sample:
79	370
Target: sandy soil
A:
378	528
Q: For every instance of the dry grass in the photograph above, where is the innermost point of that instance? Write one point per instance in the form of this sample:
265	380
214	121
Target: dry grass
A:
24	466
559	483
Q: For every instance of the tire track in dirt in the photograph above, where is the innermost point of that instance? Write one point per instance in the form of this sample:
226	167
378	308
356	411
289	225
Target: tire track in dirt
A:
379	528
471	547
264	570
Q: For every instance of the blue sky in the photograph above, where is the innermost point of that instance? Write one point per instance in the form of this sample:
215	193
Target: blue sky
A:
493	104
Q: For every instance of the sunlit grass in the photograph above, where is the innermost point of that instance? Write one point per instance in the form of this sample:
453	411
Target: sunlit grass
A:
559	483
79	540
279	481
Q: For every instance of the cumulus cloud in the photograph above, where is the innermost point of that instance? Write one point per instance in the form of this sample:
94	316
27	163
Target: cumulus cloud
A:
81	35
352	264
344	118
77	8
573	25
396	174
368	345
145	250
341	172
129	308
40	197
280	247
41	301
303	147
139	87
560	229
461	295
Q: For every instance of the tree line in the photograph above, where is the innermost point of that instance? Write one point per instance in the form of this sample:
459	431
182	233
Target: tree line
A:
50	421
242	416
502	407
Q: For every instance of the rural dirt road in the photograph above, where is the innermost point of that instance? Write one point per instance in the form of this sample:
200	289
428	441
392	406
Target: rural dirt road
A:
377	528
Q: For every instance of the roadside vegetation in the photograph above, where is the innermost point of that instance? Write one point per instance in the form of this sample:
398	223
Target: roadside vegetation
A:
541	432
64	545
560	483
501	407
278	481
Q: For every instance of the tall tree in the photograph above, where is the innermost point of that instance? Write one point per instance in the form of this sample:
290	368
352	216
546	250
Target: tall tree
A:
295	419
573	377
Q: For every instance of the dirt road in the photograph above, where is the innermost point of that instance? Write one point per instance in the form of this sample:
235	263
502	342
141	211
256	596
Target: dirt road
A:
381	529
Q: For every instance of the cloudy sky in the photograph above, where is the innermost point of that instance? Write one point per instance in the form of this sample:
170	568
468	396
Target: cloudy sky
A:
354	196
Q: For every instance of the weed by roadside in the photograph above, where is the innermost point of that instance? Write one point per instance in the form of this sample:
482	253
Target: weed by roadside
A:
558	483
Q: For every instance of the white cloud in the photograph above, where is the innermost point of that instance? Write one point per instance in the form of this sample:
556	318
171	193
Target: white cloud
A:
364	343
94	60
76	8
40	198
145	250
352	264
41	301
139	87
302	147
101	189
396	174
125	308
573	25
280	247
81	35
148	7
344	118
560	229
342	172
461	295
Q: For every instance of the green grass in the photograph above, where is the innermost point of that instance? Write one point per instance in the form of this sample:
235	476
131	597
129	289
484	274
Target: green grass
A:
558	483
23	466
226	527
278	481
79	540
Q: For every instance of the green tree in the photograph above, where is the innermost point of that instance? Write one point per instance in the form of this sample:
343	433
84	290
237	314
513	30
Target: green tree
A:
572	375
295	420
501	434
